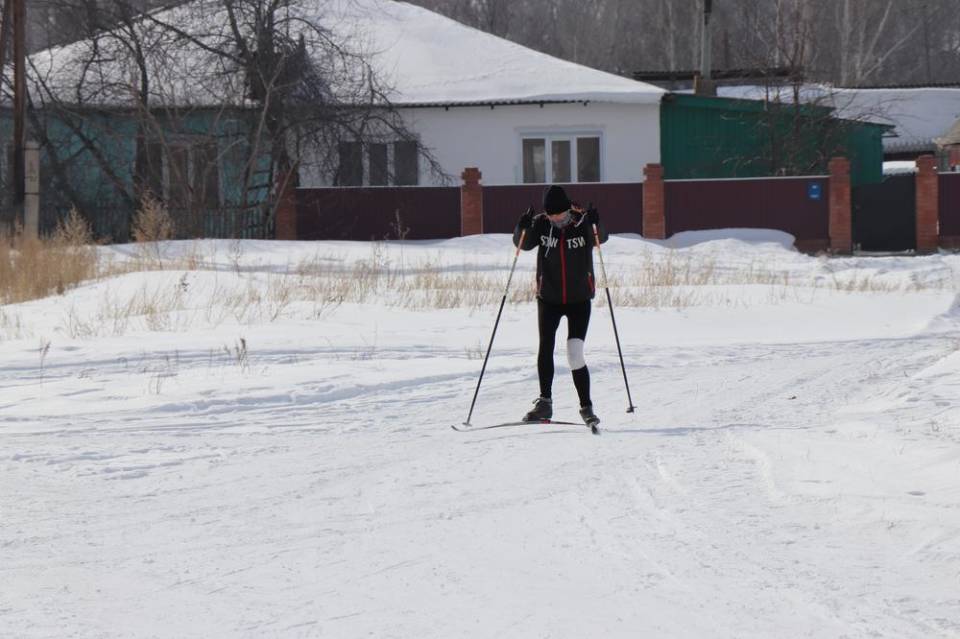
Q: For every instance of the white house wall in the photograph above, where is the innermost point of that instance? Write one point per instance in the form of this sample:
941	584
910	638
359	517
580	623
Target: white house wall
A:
490	138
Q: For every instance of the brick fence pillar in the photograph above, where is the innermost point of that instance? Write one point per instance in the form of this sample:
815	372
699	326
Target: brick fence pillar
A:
654	203
471	202
928	204
840	225
286	212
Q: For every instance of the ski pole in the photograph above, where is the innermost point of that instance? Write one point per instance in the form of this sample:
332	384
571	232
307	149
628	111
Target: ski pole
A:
523	234
616	336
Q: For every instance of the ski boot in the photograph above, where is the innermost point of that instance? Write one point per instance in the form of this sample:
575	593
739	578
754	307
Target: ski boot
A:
542	410
590	418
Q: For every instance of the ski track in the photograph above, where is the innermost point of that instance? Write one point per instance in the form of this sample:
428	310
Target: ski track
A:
347	509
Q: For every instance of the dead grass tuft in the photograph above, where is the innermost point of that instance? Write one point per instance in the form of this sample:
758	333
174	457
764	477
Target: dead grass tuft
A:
31	268
152	225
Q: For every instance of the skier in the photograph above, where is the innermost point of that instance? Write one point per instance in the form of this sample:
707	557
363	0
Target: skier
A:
564	237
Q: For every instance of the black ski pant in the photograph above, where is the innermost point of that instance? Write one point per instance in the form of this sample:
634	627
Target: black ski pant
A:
578	318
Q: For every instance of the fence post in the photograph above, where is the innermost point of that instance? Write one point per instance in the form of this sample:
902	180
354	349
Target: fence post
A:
286	212
840	225
928	204
654	203
471	202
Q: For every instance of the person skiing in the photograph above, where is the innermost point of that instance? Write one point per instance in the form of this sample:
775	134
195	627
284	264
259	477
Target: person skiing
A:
564	237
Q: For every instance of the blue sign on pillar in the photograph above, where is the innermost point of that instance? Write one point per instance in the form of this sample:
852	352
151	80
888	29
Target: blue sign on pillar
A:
814	190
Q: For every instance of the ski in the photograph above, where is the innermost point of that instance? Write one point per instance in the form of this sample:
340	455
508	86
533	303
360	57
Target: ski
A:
463	428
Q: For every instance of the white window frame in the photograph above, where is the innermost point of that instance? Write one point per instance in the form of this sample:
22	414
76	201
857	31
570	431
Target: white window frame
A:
551	135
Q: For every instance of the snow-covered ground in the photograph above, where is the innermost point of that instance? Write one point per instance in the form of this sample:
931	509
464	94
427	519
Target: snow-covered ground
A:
260	448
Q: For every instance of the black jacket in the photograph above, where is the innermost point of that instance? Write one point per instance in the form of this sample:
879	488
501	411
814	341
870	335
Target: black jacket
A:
564	258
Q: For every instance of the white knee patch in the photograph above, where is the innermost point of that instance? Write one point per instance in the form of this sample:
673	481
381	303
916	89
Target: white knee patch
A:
575	354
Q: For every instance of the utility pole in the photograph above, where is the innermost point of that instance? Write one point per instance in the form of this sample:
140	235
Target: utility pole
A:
14	15
926	40
19	99
6	15
705	85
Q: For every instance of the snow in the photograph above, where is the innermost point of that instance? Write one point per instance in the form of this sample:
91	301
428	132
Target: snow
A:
899	167
688	239
419	56
227	459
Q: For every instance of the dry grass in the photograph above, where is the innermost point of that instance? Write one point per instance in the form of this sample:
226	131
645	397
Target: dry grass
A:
152	225
313	288
31	268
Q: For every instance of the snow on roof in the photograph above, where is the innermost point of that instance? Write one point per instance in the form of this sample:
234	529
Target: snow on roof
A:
422	57
952	136
919	115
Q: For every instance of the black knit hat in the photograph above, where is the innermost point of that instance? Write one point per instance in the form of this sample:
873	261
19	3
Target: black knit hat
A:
555	200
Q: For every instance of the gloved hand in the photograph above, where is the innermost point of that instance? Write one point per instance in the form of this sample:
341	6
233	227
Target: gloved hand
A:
526	220
593	216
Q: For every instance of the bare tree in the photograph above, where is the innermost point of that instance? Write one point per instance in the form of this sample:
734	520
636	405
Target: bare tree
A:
857	41
867	38
261	85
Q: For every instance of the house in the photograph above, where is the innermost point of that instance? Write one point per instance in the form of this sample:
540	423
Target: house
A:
477	100
187	123
465	99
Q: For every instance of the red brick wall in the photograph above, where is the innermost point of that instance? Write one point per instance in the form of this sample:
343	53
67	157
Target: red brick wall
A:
471	203
928	205
285	227
841	221
654	203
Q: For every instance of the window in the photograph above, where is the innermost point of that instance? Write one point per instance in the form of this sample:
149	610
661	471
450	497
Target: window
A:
154	169
351	165
588	159
405	167
371	164
206	175
378	165
534	161
560	150
185	172
561	158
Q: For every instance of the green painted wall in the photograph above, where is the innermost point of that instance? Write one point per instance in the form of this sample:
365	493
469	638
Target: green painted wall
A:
706	137
106	194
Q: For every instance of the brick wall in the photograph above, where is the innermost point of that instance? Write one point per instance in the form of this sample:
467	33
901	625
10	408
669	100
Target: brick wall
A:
841	221
928	205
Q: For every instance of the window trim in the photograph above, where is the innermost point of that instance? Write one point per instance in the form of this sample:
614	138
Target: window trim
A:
549	135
